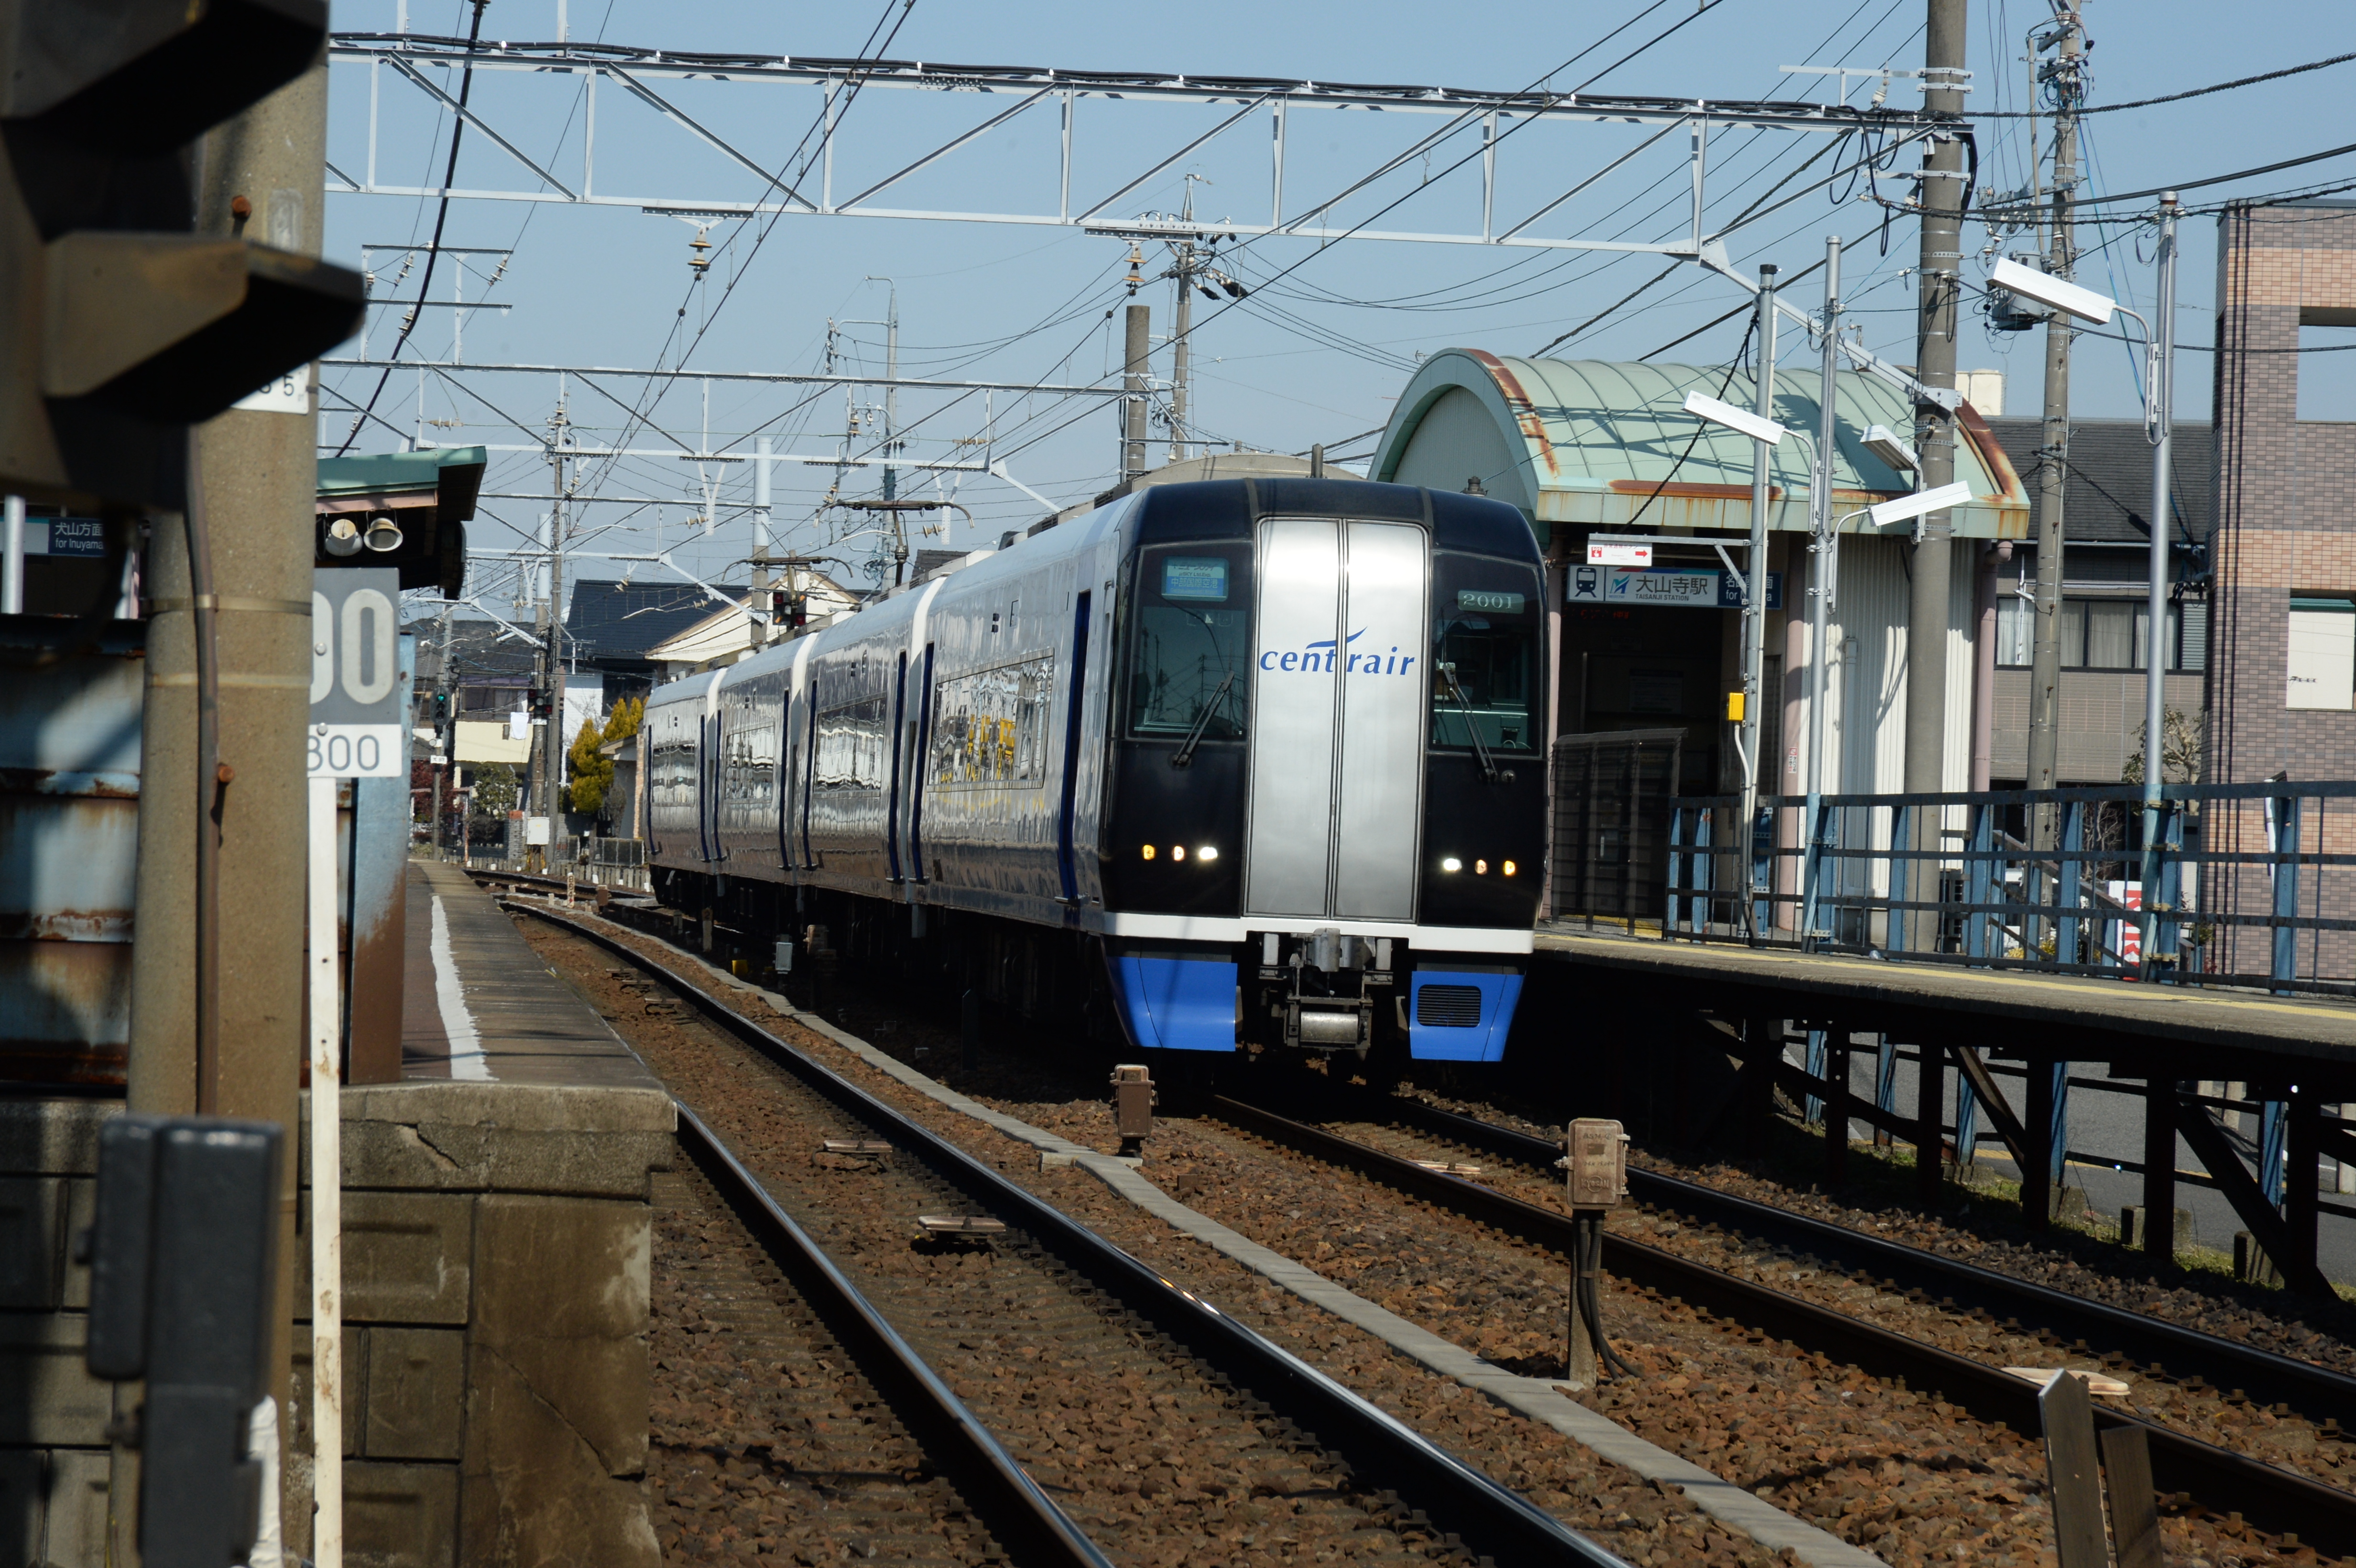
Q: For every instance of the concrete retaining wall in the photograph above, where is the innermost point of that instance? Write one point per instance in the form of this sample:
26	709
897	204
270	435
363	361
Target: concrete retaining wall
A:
496	1251
496	1246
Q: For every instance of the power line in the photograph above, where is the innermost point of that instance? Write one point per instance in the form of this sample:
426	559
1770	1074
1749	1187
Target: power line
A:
2217	179
2169	97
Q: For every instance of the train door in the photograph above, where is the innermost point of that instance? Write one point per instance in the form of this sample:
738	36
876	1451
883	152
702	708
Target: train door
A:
1337	727
707	780
920	749
1072	709
892	797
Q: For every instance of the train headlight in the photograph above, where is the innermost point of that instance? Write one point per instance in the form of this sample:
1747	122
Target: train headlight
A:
1480	868
1452	864
1509	868
1207	852
1177	851
1148	851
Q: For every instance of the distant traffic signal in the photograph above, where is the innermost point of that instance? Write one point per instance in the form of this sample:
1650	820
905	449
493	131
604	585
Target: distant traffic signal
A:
121	326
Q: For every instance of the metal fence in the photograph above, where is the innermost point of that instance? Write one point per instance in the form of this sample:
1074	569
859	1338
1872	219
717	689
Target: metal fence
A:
607	862
2253	882
1612	796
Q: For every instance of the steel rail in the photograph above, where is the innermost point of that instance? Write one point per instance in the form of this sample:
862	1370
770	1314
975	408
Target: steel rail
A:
1022	1516
2324	1517
1382	1451
2265	1375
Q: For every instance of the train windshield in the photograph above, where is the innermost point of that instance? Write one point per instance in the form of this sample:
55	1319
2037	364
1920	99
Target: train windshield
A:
1485	636
1192	640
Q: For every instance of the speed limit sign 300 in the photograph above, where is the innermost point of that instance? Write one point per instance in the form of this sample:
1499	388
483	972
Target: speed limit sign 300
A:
357	729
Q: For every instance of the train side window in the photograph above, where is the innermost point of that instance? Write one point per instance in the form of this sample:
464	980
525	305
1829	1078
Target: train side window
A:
1190	642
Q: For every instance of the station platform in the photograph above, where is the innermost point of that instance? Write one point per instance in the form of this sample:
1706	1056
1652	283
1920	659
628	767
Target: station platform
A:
496	1235
2208	1033
478	1006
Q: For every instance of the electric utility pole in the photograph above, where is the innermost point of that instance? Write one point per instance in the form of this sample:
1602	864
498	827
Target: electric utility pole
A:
1183	319
1137	347
890	393
1822	530
2053	451
1937	279
553	752
445	738
1749	731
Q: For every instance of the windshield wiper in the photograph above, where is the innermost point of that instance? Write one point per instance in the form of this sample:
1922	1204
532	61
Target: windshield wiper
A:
1184	754
1489	771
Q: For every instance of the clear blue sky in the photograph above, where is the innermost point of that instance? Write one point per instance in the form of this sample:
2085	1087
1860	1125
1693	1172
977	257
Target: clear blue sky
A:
1315	357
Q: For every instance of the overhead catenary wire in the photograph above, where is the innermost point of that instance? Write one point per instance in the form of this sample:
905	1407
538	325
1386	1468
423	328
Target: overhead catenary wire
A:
441	219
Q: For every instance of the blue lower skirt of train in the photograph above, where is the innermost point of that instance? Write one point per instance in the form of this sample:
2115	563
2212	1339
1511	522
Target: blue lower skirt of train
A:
1462	1015
1177	1004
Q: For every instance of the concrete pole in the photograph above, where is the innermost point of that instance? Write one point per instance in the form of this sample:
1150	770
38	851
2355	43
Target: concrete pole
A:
1933	565
447	738
2053	455
1183	320
763	459
1754	602
257	480
2160	424
553	753
1823	542
1138	345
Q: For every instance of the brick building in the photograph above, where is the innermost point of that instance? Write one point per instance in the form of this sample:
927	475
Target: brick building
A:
2282	677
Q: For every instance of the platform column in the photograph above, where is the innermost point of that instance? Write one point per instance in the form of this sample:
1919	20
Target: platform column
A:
2302	1180
1837	1104
2037	1165
2159	1170
1930	1100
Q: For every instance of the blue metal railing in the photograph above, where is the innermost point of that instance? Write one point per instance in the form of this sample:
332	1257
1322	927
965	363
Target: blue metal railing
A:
2255	883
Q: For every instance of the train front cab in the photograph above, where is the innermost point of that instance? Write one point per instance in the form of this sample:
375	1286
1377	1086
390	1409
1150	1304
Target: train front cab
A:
1326	813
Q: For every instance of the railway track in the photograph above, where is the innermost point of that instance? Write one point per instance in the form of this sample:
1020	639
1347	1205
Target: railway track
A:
984	1310
857	1466
2224	1482
2234	1488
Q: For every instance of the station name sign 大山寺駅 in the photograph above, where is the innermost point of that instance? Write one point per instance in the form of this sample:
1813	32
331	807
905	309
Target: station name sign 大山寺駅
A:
1674	587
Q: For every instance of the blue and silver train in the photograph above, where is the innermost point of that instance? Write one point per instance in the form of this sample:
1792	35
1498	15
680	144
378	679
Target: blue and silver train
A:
1240	766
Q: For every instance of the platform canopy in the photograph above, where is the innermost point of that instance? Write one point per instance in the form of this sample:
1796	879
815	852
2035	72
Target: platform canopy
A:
428	493
1587	443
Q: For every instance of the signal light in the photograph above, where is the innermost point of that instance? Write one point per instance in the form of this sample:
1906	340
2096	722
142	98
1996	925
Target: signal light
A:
128	326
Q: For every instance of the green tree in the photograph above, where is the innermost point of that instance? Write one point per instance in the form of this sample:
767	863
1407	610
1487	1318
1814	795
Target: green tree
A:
590	772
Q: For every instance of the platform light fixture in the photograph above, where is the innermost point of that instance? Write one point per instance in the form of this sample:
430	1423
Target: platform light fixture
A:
1920	504
2046	289
1701	405
1883	443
